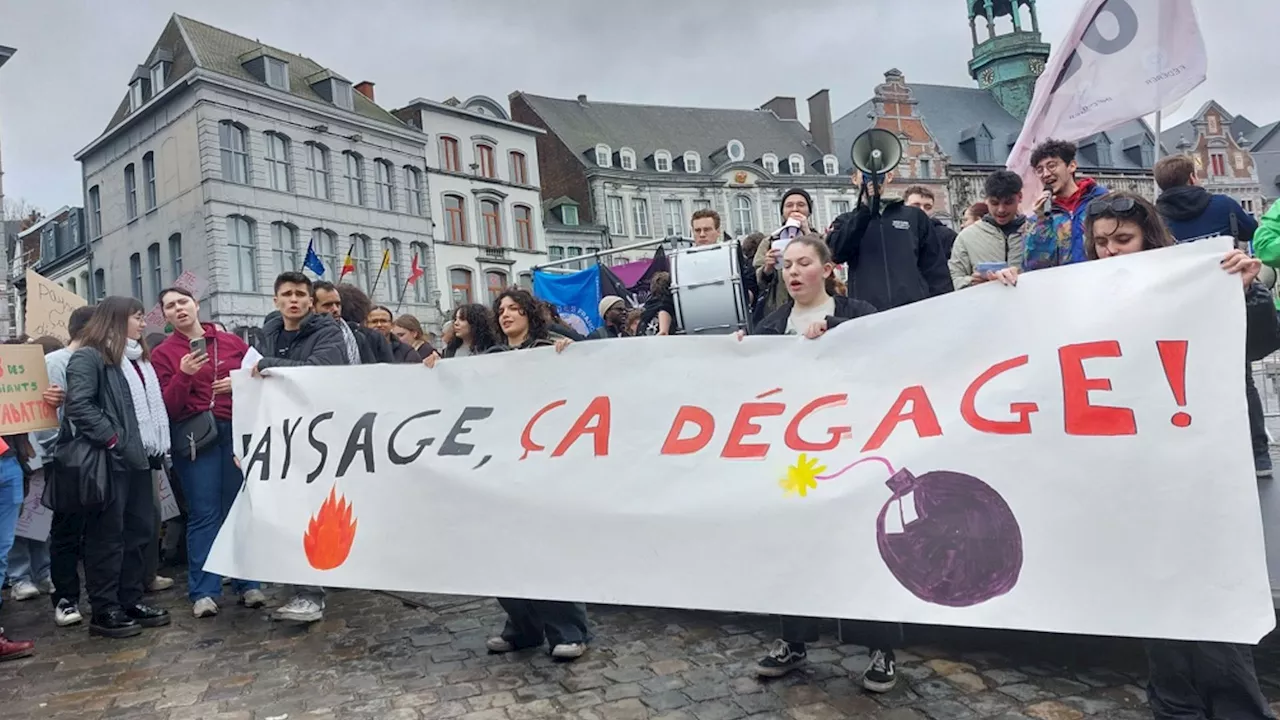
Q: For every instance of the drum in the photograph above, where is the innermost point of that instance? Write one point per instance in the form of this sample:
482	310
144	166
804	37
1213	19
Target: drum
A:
706	287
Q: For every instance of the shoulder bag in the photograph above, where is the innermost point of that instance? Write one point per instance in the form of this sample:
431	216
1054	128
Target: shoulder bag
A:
199	432
81	478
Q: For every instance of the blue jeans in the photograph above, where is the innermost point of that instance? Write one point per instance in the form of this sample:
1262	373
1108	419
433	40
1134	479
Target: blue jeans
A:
28	560
10	506
210	484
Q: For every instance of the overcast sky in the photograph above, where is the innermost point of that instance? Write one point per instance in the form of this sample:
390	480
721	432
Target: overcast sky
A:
75	56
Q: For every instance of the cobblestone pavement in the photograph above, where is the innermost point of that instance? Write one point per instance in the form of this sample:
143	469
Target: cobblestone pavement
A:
375	656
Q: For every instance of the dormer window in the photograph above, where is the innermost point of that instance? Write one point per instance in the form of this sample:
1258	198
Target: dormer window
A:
662	161
604	156
332	88
277	73
736	150
158	72
830	166
692	163
342	94
627	158
569	214
770	163
796	163
137	94
1104	151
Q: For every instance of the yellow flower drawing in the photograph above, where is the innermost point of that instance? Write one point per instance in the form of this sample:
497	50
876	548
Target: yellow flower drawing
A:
802	477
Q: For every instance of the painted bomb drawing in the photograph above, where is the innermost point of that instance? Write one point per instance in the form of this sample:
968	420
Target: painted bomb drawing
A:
947	537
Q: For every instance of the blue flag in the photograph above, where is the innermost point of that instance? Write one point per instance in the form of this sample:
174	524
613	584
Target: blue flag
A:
312	262
575	295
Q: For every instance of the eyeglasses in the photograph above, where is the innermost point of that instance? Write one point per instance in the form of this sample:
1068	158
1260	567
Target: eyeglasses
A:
1113	205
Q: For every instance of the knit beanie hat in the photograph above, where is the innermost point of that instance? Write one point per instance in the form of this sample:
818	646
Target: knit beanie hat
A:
796	191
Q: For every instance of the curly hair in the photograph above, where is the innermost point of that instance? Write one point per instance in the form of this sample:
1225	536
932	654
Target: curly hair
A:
356	306
534	310
484	331
660	283
1061	149
1003	184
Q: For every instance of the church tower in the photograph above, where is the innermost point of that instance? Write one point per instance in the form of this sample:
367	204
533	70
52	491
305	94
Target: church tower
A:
1007	65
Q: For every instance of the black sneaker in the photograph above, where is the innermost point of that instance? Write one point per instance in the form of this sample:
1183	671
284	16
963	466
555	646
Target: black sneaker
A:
113	623
881	675
148	616
782	659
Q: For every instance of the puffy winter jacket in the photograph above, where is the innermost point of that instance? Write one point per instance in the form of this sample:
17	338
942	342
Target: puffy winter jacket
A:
1058	238
985	242
319	342
893	256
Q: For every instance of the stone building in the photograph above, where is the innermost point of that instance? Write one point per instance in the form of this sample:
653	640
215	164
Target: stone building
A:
227	157
1222	145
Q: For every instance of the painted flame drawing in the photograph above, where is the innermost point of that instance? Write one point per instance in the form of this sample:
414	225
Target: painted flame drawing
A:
802	477
330	533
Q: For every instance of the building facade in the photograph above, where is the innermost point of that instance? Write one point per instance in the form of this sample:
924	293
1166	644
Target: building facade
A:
227	158
641	171
482	171
1220	144
56	247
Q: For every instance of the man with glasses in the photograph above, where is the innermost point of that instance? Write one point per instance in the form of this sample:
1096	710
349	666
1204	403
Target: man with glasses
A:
1057	238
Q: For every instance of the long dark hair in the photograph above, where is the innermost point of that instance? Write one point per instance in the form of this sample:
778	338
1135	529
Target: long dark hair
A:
532	308
108	330
1142	213
815	242
484	331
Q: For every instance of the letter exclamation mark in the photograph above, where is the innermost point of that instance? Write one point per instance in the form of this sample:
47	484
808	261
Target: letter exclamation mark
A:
1173	355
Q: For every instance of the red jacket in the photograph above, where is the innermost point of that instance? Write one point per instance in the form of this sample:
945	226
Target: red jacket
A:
186	395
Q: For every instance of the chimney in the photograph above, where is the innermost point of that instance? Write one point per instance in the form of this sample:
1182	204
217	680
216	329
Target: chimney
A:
820	121
783	107
582	99
366	89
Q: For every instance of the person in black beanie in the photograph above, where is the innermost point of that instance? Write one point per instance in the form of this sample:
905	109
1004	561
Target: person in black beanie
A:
797	206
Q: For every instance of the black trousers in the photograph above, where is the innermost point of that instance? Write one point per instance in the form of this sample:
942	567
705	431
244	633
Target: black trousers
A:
1202	680
116	539
875	635
66	548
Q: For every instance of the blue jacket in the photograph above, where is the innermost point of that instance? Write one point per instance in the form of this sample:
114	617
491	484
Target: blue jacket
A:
1058	238
1191	212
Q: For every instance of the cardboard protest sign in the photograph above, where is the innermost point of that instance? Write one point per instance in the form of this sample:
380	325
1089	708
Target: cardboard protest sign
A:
1070	455
35	519
49	307
23	380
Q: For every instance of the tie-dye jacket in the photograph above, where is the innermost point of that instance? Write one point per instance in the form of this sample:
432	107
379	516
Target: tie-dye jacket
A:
1059	238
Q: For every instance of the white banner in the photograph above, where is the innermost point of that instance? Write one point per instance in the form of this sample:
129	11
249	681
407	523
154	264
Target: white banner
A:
1071	455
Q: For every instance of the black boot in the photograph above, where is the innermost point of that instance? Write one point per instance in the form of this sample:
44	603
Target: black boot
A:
113	623
148	616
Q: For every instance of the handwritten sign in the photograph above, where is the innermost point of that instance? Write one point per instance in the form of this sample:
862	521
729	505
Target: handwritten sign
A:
188	281
23	380
900	468
168	501
35	519
49	307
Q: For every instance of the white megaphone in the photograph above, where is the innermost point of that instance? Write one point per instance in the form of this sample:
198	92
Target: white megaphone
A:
875	152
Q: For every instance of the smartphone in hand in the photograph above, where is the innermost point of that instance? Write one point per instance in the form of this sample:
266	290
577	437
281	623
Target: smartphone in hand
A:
198	346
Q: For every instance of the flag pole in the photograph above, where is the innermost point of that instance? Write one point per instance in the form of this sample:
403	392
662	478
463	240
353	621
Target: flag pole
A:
1159	127
403	290
343	272
386	257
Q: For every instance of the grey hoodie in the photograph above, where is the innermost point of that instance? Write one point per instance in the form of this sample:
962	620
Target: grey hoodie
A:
984	242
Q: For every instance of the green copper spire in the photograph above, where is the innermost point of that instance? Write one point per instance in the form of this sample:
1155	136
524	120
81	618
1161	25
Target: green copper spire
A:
1007	65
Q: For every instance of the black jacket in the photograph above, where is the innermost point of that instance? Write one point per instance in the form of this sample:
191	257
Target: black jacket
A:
946	238
894	258
1191	212
606	331
319	342
402	352
100	407
846	309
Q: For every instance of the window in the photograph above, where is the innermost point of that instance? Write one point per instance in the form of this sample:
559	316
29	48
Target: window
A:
839	207
342	96
175	255
484	159
318	170
137	95
701	205
736	151
743	223
382	171
413	189
455	211
360	256
640	216
617	217
1104	151
355	177
460	286
135	273
277	73
796	165
770	163
662	161
1217	160
153	266
100	284
1239	158
421	288
235	158
985	153
831	166
149	180
497	282
71	286
524	226
519	168
278	171
130	192
284	247
526	281
604	156
925	168
692	163
326	245
1213	124
95	212
555	252
569	214
672	218
244	254
449	158
627	158
1247	205
394	280
157	77
491	216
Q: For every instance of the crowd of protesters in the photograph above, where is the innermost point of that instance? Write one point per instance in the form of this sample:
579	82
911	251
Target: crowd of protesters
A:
135	412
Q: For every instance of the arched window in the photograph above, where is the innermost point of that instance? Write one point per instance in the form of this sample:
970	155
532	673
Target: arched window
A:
243	250
604	155
460	286
491	216
175	255
413	189
496	281
154	270
318	170
485	160
421	286
524	226
519	167
279	167
355	177
100	284
235	152
692	162
796	163
662	161
326	244
393	277
130	191
627	158
360	254
149	180
743	216
71	285
455	219
383	172
284	247
830	165
95	212
770	162
450	160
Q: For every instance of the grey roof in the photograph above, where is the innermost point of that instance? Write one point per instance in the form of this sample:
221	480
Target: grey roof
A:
193	44
1266	158
954	114
649	128
1170	137
6	53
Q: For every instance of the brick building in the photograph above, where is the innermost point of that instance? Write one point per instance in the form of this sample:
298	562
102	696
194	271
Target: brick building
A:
1223	147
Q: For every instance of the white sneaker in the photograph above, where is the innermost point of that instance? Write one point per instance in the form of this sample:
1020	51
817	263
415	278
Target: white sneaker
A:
498	645
66	614
253	599
25	590
46	587
300	609
204	607
568	651
159	583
